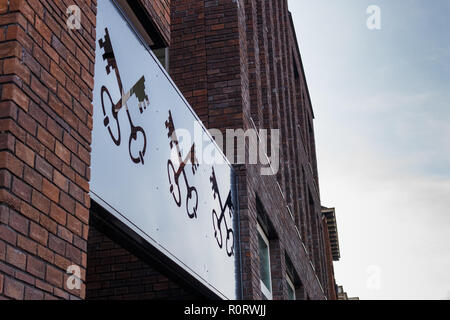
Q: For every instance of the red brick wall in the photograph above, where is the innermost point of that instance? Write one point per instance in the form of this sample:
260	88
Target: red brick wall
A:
46	82
114	273
237	61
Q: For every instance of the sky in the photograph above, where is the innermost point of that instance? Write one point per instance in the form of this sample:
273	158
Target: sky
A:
381	102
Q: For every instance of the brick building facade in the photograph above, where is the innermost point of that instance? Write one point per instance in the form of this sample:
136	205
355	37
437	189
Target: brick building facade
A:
239	66
46	93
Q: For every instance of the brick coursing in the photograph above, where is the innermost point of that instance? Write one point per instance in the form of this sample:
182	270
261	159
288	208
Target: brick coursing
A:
46	83
115	273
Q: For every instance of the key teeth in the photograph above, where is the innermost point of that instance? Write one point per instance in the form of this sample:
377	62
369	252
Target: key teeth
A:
102	43
214	184
143	106
105	44
170	127
170	134
139	90
106	39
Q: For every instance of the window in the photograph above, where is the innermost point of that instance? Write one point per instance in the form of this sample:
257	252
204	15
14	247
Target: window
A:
163	57
148	36
264	263
128	11
291	288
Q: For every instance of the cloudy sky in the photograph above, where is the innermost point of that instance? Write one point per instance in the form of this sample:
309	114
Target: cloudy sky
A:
381	100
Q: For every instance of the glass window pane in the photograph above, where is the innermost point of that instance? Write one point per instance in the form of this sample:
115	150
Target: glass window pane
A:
264	263
291	292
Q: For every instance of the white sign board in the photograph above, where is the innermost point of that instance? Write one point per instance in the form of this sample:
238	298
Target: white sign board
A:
144	175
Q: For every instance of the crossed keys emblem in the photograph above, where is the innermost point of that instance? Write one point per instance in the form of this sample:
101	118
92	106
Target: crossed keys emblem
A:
137	90
221	220
174	175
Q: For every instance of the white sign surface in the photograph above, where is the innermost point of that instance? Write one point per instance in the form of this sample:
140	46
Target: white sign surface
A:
144	175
